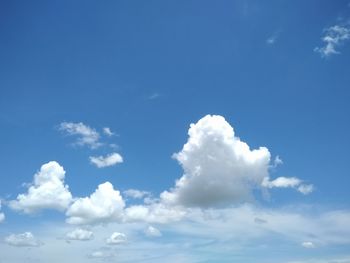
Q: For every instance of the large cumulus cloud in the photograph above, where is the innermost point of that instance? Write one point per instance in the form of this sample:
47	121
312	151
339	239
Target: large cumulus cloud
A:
218	167
48	191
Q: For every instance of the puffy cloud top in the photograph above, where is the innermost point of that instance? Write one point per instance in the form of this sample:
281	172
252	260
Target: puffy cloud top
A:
116	239
47	192
105	204
218	167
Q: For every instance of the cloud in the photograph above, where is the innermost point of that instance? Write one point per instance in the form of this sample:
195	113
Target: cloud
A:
2	215
219	168
116	239
152	232
80	234
109	160
48	191
288	182
154	213
136	194
98	254
104	205
22	240
271	40
308	244
107	131
86	135
153	96
334	37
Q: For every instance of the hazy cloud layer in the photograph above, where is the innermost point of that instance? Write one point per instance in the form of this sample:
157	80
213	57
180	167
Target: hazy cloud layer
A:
25	239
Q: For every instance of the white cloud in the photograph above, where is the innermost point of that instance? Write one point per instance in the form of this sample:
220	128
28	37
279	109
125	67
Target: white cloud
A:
109	160
98	254
334	37
104	205
86	135
306	189
308	244
136	194
107	131
48	191
152	232
154	213
116	239
2	215
218	167
80	234
288	182
22	240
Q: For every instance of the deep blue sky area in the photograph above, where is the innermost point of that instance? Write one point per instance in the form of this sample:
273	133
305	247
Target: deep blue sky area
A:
147	69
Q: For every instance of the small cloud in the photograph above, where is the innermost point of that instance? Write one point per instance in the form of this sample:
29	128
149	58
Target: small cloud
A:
86	135
271	40
136	194
98	254
153	232
153	96
116	239
306	189
288	182
334	37
109	160
107	131
80	234
2	216
25	239
308	244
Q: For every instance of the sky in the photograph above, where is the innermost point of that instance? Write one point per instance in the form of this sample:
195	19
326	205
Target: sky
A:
175	131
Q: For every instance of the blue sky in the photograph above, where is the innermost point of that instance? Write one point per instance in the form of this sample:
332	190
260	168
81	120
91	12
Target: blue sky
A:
274	72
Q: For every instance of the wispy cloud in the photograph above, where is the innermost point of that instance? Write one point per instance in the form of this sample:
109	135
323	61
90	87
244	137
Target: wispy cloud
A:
107	131
85	134
153	96
334	37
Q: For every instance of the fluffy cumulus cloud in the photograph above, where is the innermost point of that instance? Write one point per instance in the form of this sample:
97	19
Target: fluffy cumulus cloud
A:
80	234
288	182
105	161
116	239
334	37
48	191
25	239
104	205
218	167
152	232
86	136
